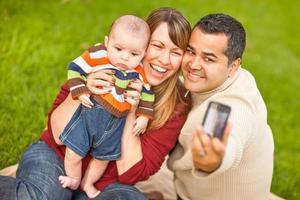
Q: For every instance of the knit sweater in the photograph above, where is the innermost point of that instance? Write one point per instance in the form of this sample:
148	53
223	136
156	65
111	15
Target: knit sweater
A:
246	169
94	59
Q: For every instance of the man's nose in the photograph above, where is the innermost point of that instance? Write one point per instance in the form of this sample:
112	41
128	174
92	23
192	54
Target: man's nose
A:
196	63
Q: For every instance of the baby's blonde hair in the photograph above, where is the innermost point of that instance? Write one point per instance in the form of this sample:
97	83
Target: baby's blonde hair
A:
133	25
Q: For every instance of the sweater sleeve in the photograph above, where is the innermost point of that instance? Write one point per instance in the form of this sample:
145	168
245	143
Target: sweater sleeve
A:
241	118
156	144
86	63
77	71
146	104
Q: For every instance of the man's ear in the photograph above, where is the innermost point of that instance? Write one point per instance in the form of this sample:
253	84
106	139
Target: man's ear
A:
106	40
234	67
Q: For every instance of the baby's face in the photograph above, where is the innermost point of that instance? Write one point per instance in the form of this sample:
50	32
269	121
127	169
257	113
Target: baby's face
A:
124	50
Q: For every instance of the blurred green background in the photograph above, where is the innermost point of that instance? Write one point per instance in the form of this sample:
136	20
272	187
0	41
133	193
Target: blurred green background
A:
39	38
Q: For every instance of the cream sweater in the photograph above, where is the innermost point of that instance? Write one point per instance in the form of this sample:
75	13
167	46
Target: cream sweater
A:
247	166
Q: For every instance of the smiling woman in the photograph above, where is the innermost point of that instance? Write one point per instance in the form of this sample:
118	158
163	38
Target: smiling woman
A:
163	57
141	156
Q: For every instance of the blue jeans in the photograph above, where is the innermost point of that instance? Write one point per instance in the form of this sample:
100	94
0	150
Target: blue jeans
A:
37	179
94	129
121	192
37	176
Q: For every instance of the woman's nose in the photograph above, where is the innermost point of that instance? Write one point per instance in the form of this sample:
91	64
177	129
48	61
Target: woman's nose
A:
164	58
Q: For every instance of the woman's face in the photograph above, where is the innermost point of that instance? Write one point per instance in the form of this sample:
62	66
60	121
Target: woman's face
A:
163	57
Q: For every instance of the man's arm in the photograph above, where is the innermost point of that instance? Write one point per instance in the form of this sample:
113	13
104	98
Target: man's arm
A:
207	153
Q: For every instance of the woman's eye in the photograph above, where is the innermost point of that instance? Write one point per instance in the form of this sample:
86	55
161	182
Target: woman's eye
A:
177	53
157	46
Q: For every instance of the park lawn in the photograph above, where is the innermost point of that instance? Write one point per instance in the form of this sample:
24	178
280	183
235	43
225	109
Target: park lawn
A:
39	38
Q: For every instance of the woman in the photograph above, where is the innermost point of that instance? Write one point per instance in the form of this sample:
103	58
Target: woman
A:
40	166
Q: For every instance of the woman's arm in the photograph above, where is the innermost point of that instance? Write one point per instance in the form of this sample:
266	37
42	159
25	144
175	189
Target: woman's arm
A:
144	157
131	150
61	116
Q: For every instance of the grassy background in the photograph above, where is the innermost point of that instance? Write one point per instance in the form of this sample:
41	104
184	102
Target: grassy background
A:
39	38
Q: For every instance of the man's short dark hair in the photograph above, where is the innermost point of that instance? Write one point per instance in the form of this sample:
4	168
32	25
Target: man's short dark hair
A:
233	29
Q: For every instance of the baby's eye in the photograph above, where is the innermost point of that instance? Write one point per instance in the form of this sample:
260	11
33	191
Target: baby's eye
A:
118	48
134	54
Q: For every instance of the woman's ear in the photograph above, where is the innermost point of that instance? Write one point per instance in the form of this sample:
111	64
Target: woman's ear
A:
106	40
234	67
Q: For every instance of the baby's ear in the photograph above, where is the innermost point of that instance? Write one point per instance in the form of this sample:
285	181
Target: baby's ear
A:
106	40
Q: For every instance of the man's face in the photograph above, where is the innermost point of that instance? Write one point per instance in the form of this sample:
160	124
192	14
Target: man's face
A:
204	65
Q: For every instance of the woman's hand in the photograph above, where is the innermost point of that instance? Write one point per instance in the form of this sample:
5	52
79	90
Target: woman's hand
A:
208	152
101	78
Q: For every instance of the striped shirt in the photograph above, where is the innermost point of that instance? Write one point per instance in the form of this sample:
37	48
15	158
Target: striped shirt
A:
94	59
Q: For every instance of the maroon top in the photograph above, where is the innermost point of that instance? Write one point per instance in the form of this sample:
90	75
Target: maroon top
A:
156	144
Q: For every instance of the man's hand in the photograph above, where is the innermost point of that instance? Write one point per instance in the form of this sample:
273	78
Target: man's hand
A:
208	152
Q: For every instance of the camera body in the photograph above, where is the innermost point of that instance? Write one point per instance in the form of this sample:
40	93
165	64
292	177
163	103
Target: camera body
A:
215	119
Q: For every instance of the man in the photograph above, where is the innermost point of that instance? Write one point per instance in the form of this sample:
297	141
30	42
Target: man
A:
241	165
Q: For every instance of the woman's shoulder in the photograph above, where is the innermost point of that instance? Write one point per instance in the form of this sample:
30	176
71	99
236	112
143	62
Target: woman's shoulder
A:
184	102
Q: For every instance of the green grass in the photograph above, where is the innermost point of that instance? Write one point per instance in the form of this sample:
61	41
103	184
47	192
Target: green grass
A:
38	39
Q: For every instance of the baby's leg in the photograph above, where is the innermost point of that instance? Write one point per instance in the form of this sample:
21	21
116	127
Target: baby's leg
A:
73	170
93	173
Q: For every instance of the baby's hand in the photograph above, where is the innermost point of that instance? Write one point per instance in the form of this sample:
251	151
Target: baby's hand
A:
140	125
85	100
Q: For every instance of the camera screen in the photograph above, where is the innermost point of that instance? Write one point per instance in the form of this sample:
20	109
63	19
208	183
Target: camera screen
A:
215	120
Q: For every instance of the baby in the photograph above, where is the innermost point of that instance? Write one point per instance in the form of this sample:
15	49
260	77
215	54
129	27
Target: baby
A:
97	125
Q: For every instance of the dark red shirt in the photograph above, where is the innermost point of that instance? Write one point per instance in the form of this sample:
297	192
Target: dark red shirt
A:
156	144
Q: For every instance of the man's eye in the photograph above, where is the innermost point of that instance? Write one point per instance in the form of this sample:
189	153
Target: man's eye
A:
189	51
206	59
